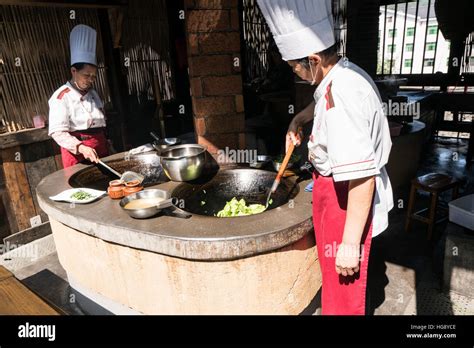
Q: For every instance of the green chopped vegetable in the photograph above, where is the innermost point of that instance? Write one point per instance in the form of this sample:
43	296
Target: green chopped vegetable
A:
81	195
239	208
270	202
203	203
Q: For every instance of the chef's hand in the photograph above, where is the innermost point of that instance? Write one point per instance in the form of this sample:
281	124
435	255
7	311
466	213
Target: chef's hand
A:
347	259
293	137
88	153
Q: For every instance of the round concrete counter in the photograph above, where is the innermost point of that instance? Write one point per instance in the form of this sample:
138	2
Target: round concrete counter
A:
261	264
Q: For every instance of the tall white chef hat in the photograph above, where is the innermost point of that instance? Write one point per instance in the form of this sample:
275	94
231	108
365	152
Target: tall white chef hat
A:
83	41
299	27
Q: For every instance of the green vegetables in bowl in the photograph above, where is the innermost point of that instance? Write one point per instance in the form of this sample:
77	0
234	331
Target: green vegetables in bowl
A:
81	195
237	207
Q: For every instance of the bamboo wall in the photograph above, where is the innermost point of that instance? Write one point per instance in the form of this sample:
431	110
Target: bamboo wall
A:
145	41
34	45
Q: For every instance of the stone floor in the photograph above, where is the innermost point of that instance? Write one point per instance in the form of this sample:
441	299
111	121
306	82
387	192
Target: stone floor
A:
405	274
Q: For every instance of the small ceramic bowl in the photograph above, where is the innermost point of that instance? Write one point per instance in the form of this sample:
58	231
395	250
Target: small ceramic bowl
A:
115	189
133	183
128	190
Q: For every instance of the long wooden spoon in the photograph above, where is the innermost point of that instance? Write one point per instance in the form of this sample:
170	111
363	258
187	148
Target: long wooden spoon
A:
284	164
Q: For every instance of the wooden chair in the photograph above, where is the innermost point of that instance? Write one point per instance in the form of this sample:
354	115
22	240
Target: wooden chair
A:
435	184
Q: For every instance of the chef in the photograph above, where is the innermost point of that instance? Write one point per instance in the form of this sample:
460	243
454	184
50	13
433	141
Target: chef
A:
349	147
76	116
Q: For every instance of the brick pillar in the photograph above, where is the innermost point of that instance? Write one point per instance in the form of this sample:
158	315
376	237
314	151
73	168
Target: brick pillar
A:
213	34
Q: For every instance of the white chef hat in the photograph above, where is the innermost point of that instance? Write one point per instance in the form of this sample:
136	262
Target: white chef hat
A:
83	41
299	27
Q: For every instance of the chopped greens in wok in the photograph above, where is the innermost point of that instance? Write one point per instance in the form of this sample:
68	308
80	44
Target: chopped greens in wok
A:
240	208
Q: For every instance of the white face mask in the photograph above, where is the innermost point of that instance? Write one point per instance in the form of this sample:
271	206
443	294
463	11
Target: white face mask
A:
313	76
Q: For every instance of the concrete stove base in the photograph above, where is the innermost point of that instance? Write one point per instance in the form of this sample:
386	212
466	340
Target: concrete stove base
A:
126	280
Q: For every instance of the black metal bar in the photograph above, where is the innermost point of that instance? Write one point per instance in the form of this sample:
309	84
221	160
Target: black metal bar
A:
403	37
394	34
426	35
436	50
383	43
414	35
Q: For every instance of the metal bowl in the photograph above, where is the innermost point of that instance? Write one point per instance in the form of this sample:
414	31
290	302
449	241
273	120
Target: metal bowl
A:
183	162
164	144
262	160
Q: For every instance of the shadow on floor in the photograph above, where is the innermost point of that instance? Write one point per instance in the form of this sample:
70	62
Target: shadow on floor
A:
411	250
54	290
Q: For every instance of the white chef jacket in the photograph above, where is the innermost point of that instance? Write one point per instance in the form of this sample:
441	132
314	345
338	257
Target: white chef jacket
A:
71	111
351	137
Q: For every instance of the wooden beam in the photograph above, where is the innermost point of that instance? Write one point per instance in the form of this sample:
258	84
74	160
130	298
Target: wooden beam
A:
70	3
23	137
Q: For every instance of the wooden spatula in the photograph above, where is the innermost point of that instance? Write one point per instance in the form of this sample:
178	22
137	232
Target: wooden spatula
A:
284	164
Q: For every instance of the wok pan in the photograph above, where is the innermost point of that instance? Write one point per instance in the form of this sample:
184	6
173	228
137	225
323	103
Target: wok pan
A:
166	206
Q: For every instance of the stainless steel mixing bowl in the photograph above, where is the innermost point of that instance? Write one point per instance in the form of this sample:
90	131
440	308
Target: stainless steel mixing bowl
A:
183	162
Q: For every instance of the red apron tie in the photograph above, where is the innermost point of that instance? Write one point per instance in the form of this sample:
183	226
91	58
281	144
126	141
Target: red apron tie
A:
97	141
340	295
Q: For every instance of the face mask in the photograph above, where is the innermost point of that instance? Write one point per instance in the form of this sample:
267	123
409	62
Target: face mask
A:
313	82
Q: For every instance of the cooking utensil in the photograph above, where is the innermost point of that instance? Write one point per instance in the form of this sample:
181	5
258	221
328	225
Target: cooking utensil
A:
157	138
125	177
167	206
210	196
274	187
163	144
183	162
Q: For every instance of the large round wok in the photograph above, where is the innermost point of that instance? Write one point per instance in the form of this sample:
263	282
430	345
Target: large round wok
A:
250	184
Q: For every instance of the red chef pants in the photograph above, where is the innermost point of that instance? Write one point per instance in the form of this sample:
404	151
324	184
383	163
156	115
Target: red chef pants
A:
340	295
94	138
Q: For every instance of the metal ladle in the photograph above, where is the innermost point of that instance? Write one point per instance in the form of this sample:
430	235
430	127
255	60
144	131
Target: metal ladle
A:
127	176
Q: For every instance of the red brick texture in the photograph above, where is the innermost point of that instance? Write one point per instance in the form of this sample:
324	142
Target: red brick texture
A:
213	35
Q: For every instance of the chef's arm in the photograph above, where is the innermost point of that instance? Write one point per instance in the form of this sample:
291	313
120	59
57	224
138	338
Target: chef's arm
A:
75	146
67	141
361	193
303	117
294	130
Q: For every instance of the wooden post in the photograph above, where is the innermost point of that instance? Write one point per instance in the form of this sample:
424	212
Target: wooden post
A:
17	188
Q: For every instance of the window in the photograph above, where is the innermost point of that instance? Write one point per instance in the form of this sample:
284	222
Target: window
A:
408	63
428	62
392	32
432	29
391	48
430	46
409	47
411	31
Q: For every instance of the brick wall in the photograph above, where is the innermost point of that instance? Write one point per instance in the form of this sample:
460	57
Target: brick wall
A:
212	28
